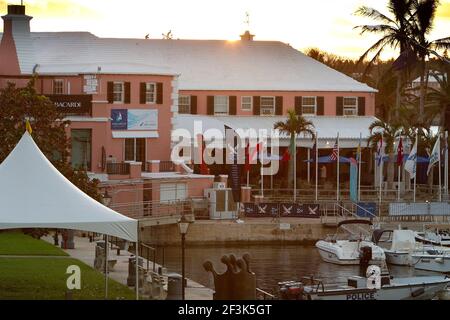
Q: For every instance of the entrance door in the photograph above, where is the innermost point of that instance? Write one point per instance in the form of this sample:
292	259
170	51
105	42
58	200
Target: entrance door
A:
81	140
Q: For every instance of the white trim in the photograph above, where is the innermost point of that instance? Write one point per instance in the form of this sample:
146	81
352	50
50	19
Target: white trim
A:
251	103
134	134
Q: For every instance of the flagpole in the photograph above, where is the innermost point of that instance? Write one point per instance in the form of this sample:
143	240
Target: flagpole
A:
262	173
439	163
309	165
380	168
399	173
337	175
248	177
415	167
295	167
317	168
446	166
359	167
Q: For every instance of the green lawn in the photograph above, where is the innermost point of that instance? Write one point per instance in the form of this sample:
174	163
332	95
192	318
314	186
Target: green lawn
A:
17	243
45	277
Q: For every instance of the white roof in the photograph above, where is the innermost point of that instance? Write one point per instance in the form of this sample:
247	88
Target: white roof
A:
201	64
431	78
327	127
33	194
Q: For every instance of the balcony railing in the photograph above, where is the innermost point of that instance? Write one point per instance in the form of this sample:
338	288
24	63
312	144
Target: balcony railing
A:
121	168
166	166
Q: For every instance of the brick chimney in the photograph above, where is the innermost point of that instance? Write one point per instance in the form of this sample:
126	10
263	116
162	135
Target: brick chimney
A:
15	39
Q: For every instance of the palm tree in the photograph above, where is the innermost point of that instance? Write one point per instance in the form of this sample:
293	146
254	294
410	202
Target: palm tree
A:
395	33
424	14
294	125
438	99
389	132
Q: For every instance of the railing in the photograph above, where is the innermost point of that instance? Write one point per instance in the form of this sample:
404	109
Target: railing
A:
166	166
149	209
121	168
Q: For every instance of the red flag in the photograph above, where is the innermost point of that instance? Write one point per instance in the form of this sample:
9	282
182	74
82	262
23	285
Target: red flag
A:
286	156
400	152
247	158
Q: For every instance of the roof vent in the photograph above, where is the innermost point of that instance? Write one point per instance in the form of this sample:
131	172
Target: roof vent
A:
16	9
247	36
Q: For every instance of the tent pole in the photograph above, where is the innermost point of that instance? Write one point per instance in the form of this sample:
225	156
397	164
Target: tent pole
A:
106	266
137	264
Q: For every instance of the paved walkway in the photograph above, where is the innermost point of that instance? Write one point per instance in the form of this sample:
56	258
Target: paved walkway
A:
85	251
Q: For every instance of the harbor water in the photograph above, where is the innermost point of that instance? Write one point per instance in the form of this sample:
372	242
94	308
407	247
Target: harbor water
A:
270	263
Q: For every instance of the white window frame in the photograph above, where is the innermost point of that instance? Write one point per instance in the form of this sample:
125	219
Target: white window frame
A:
116	92
261	106
179	189
315	105
346	109
61	81
227	106
147	92
188	105
242	103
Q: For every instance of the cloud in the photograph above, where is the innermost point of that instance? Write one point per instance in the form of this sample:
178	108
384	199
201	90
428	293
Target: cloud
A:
443	11
54	8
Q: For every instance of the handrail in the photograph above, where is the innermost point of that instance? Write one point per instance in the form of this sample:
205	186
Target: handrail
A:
265	294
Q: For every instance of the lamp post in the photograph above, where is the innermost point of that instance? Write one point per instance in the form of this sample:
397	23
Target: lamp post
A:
106	201
183	225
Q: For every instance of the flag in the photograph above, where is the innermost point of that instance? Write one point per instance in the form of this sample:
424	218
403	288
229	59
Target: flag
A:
203	166
290	150
313	152
247	157
334	154
258	149
380	154
410	164
400	152
28	126
353	179
234	169
434	156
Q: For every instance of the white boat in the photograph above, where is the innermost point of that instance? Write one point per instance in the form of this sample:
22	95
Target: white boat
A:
402	247
350	249
432	260
437	237
411	288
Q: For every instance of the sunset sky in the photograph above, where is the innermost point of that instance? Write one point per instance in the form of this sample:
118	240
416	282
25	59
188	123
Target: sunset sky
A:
326	24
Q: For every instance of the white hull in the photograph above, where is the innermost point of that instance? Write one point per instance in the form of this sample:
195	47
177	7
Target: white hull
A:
398	258
437	263
345	252
404	291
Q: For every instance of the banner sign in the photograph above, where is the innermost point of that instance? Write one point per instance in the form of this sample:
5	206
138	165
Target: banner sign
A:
282	209
134	119
366	209
72	103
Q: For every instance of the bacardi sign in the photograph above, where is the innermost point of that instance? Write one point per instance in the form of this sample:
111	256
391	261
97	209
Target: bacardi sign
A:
72	103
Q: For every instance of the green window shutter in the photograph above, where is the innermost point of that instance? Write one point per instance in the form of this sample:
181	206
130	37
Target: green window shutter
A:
109	90
279	105
256	105
339	106
193	104
127	87
298	105
361	106
210	105
233	105
320	106
142	91
159	93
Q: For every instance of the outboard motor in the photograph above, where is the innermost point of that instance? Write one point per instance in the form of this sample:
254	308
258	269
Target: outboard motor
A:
365	255
291	290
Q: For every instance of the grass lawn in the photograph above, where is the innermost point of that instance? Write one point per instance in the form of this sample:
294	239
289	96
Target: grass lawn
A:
45	277
17	243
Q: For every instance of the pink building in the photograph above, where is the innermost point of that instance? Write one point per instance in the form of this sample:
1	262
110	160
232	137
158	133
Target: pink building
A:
125	96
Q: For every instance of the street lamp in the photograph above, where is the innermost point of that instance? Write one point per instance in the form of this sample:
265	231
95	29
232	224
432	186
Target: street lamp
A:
183	225
106	198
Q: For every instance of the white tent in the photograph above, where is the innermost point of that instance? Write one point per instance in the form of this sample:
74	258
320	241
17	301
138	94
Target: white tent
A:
33	194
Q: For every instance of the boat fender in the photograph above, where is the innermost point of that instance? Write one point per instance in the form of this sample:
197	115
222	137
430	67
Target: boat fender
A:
417	292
